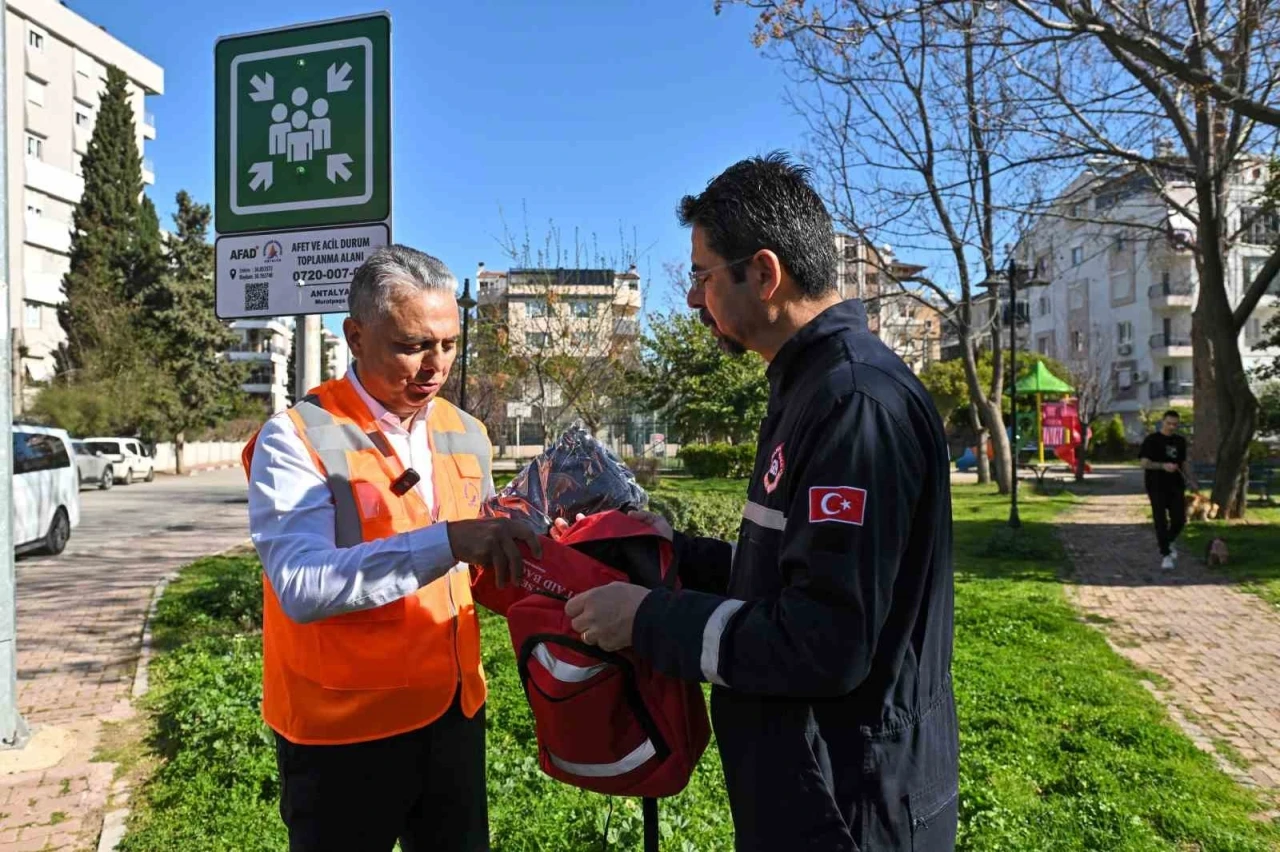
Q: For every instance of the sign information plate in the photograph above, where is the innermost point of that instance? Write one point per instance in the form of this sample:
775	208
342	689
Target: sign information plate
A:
303	163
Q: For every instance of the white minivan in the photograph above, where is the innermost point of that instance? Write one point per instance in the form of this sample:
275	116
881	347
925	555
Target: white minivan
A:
129	459
46	494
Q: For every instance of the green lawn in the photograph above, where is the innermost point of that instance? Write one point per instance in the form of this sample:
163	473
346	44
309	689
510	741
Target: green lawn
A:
1252	544
1062	748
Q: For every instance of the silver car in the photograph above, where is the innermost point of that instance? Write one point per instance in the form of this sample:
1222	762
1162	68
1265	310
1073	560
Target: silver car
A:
93	464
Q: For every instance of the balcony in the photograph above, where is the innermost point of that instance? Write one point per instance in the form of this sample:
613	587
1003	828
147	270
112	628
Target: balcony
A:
1172	345
38	63
1171	294
51	180
148	171
48	233
39	121
87	88
258	351
149	125
44	287
626	328
1171	393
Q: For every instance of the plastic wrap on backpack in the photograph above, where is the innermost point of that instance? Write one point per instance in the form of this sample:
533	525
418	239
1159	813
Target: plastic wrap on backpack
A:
575	475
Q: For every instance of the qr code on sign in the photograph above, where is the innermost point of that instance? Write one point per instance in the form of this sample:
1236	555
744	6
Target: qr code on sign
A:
257	296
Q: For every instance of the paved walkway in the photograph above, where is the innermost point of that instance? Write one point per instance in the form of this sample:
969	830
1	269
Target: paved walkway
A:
80	619
1216	648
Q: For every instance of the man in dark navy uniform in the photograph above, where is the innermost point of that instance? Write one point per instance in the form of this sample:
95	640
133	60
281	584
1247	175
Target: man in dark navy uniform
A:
826	628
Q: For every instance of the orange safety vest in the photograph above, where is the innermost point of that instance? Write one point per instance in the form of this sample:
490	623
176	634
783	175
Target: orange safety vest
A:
377	672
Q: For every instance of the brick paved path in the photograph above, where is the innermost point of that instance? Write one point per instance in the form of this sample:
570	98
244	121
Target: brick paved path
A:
80	619
1217	648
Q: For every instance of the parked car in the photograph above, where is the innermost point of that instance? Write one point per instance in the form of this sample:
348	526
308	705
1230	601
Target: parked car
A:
93	466
46	494
130	460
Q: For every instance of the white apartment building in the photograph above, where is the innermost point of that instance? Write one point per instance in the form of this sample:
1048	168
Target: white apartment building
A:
265	344
336	355
909	325
55	68
1121	292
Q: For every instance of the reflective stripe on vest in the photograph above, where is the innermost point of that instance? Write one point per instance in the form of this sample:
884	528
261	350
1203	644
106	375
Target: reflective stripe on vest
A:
378	672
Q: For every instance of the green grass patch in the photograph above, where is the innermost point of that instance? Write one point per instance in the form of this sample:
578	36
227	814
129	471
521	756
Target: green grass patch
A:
1251	544
1230	753
1062	747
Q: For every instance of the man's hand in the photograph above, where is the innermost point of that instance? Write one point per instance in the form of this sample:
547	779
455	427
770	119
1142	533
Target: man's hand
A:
491	543
658	522
604	616
1171	467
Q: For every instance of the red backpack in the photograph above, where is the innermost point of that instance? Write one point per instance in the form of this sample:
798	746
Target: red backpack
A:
605	722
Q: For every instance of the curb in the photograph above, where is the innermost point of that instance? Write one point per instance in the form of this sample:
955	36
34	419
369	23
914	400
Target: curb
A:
199	470
114	821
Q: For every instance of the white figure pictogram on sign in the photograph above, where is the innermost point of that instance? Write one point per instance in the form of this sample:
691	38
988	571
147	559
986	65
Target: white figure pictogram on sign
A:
303	134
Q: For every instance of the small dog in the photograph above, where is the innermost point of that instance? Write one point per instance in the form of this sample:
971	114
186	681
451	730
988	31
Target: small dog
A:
1199	507
1216	552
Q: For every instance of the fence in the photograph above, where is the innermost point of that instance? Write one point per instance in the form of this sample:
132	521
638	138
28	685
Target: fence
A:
198	454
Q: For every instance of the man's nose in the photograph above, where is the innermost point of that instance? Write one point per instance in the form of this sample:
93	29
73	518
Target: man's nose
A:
694	297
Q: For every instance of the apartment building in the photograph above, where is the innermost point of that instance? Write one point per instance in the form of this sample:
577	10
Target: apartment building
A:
905	318
1123	282
55	71
335	354
265	344
576	312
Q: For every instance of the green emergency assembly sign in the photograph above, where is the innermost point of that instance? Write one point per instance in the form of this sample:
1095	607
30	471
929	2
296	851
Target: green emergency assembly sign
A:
304	126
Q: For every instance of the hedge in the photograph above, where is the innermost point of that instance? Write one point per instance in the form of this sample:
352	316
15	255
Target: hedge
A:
714	515
710	461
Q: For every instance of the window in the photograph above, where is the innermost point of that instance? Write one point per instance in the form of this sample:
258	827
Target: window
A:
1077	255
1252	268
1077	341
34	452
1042	346
35	91
1124	332
1253	330
1077	296
1044	307
579	339
31	315
1119	244
1076	210
35	147
1261	229
83	119
35	39
581	309
536	307
535	339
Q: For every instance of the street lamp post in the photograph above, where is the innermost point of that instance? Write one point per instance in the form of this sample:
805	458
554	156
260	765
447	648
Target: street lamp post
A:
994	284
466	303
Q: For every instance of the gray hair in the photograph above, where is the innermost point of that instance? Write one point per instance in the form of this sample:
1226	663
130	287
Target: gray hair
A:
387	273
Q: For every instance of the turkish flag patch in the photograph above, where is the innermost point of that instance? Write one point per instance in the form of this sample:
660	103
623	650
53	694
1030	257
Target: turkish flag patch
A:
839	504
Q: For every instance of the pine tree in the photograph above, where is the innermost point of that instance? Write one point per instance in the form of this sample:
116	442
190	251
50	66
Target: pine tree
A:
203	388
105	254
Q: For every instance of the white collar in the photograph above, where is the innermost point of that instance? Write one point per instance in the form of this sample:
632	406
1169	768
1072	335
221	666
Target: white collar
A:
376	408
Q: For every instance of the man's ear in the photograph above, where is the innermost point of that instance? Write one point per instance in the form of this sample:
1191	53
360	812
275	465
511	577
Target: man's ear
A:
351	329
769	268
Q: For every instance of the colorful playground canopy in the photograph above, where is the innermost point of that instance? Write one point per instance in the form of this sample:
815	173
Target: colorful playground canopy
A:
1040	380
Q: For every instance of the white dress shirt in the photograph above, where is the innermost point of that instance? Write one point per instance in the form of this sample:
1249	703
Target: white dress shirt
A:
291	523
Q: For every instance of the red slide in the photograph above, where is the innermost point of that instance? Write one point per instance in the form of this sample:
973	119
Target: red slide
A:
1067	453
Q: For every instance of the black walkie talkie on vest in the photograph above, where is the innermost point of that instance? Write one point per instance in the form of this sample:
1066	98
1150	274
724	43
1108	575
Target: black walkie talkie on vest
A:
404	482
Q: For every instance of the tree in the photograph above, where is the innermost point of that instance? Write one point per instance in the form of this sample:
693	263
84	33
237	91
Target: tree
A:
562	338
945	381
909	115
203	387
1091	372
1181	97
111	259
705	393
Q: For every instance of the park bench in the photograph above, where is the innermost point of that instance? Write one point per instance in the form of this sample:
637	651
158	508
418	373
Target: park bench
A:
1263	481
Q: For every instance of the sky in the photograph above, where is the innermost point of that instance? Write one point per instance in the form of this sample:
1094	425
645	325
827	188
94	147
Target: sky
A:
588	114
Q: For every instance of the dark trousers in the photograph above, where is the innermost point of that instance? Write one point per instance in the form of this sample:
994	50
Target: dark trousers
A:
425	788
1169	507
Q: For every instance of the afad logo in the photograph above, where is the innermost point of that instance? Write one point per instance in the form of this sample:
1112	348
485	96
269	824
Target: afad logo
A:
272	252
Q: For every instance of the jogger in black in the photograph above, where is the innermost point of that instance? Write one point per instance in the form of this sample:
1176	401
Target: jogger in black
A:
1164	458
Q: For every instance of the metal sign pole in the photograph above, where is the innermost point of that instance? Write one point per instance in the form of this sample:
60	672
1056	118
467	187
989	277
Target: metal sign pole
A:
13	730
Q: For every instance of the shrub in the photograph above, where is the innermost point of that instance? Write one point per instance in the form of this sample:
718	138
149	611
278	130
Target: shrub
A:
645	470
709	461
1109	440
714	515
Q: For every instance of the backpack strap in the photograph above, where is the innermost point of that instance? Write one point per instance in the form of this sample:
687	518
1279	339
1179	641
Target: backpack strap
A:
650	807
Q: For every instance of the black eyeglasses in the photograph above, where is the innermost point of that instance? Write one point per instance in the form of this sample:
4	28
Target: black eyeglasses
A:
696	275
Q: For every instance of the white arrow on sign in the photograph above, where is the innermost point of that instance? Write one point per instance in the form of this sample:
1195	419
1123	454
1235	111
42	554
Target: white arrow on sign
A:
263	90
338	81
261	175
336	166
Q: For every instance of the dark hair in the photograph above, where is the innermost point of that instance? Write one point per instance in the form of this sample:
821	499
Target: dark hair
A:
767	203
1173	414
